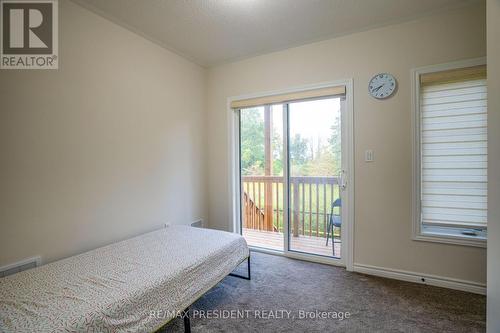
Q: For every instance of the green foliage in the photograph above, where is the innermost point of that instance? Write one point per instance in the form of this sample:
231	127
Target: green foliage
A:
335	144
325	164
252	142
277	147
298	149
306	160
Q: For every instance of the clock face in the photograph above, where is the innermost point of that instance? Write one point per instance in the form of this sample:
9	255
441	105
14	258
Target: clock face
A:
382	86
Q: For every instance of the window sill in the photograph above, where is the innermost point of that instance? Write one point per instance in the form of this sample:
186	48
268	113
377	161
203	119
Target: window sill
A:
438	235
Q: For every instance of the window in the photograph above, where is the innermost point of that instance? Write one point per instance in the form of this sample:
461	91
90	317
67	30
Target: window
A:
450	188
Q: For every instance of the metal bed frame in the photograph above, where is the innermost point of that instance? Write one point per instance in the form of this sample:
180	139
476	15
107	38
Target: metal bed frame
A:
185	314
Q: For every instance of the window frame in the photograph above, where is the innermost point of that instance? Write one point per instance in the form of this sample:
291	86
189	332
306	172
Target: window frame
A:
433	234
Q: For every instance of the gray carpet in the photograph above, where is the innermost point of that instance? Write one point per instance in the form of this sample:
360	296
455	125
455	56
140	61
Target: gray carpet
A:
375	304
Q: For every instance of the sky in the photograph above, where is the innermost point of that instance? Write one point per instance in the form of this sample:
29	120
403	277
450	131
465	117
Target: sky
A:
311	119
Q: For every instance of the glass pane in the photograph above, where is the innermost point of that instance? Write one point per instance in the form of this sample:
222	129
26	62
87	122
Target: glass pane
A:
315	164
261	154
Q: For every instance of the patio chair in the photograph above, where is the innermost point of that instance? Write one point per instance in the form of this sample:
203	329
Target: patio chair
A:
334	221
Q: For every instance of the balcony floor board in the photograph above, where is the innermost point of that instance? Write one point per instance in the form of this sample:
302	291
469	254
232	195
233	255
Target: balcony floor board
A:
274	241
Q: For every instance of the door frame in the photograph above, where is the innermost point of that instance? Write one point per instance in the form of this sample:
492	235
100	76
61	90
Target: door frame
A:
234	184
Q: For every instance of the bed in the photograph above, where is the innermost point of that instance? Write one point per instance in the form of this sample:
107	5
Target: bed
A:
136	285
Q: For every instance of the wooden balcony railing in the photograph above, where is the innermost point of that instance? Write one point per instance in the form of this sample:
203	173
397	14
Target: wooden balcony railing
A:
310	202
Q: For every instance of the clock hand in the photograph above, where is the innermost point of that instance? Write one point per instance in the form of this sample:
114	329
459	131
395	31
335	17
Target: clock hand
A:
378	88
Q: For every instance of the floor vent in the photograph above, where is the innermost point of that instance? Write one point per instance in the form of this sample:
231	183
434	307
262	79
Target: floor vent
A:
19	266
197	224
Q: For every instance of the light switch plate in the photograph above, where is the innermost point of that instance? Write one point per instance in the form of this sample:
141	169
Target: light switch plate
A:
369	157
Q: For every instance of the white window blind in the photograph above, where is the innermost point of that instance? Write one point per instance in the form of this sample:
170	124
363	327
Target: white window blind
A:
453	142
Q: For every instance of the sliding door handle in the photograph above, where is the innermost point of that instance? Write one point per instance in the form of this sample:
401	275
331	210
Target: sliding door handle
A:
342	180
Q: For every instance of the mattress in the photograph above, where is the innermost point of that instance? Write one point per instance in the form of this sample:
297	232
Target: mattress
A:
134	285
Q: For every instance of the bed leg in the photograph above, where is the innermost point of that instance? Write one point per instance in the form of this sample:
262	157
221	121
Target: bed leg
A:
241	276
248	261
187	321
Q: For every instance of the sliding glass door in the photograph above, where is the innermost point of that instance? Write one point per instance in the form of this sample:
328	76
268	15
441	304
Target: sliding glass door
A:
292	176
314	159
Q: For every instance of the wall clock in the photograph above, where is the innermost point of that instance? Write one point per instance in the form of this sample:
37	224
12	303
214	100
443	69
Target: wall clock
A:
382	86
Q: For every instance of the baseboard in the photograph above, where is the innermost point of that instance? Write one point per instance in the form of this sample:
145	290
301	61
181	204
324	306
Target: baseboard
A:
432	280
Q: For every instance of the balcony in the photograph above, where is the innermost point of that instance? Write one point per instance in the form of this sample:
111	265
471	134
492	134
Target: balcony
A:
310	208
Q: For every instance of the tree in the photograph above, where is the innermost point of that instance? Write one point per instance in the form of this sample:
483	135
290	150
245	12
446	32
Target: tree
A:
324	164
252	142
335	144
306	158
277	147
298	153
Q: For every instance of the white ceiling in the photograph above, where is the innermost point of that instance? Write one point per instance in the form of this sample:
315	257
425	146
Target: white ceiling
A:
211	32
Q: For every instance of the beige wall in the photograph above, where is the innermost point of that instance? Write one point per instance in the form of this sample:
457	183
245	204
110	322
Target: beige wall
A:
382	188
108	146
114	143
493	21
